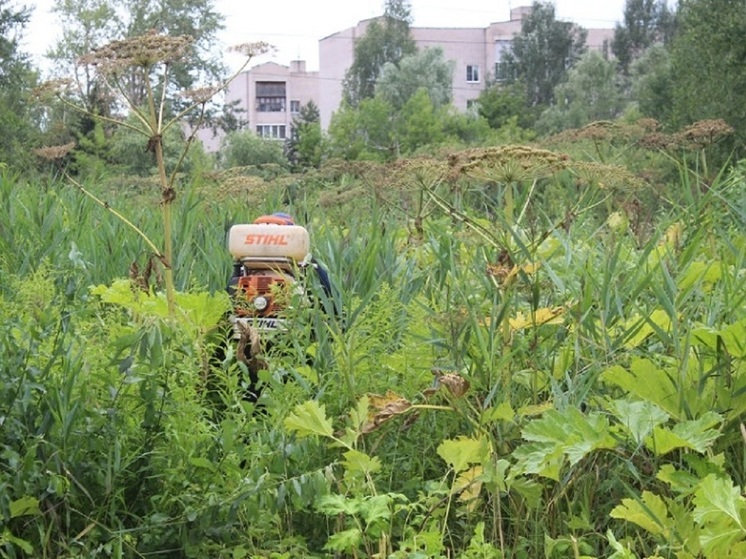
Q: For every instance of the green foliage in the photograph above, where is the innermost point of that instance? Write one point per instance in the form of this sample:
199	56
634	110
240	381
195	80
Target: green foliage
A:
127	151
363	133
428	69
243	148
17	116
499	103
386	40
543	52
708	80
304	148
646	23
527	362
590	93
91	24
652	83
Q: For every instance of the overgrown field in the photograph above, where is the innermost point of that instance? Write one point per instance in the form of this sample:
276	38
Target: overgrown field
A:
535	356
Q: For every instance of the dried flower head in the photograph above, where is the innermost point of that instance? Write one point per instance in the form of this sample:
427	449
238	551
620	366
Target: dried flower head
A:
250	50
52	88
704	133
657	141
144	51
508	163
607	177
54	153
200	95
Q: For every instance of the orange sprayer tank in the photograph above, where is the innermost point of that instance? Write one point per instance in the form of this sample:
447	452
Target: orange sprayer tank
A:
267	240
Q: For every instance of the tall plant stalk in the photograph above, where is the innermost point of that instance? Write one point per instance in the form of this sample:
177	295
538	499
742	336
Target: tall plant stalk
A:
151	57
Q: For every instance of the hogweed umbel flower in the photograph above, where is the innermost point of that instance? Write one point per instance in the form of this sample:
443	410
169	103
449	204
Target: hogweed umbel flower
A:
144	51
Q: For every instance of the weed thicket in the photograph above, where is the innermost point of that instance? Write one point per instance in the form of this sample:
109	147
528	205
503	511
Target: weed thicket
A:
535	356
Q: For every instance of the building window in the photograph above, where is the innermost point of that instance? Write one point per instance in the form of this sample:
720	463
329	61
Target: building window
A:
501	71
502	48
271	131
294	107
270	104
471	104
270	97
472	74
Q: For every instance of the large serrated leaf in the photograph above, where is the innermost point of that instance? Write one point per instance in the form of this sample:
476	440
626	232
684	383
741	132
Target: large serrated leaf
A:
649	512
356	461
308	419
638	417
24	506
460	453
347	540
695	434
574	433
719	510
717	499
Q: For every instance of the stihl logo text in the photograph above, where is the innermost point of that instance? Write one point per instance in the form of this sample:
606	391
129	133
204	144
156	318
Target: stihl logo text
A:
279	240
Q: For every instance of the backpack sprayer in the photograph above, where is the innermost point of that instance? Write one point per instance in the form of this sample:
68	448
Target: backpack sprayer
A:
266	257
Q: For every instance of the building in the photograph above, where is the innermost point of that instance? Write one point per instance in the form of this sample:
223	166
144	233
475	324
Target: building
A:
271	94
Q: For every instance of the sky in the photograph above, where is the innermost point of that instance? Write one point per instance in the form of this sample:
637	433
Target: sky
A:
295	27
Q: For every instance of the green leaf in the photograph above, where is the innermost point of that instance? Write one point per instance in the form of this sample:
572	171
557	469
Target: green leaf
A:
24	506
658	320
542	459
333	504
203	310
460	453
8	537
347	540
501	412
704	273
639	417
732	336
201	462
376	508
648	381
650	513
620	552
696	434
719	511
574	433
356	461
680	481
308	419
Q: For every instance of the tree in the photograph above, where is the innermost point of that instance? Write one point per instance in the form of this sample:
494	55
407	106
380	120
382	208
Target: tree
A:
652	82
363	132
387	39
304	148
591	92
646	22
427	69
16	80
708	70
418	124
243	148
89	24
543	52
500	103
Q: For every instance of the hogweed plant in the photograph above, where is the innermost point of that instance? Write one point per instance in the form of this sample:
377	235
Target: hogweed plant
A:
140	67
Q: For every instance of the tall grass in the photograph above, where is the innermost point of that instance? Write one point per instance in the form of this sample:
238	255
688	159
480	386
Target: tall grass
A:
535	387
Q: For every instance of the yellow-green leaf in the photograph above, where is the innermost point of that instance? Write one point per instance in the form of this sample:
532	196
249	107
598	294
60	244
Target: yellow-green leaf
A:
356	461
24	506
308	419
462	452
649	512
